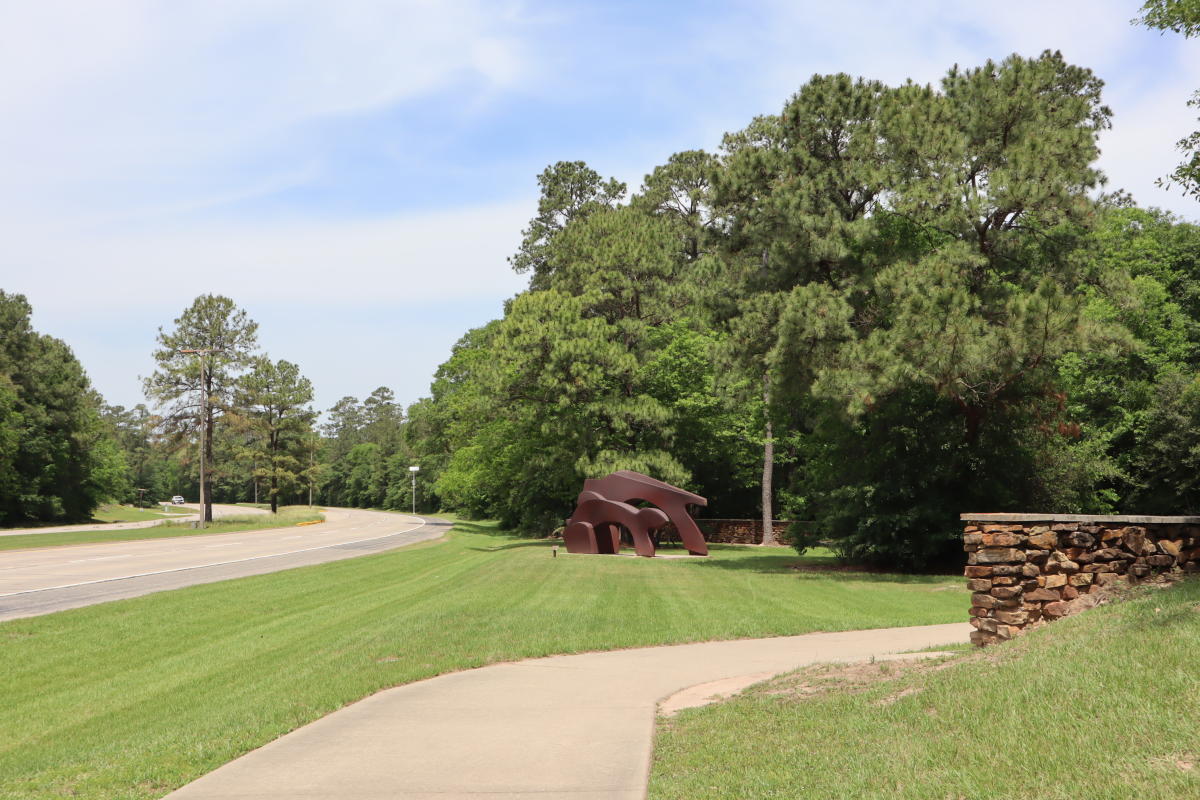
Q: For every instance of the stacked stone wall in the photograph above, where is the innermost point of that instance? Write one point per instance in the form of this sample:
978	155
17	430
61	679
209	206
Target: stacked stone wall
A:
1023	570
741	531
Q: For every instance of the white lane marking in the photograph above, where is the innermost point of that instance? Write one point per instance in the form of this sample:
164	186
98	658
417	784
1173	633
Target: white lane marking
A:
214	564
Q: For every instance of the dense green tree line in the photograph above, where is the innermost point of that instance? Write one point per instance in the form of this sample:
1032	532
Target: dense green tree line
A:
874	310
877	309
58	460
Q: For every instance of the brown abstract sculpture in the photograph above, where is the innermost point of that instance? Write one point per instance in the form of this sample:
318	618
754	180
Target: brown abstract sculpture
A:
603	508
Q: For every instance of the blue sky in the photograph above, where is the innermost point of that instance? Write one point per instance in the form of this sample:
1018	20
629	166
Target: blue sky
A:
354	174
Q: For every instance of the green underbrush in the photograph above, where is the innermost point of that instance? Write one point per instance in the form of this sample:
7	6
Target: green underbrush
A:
1102	705
133	698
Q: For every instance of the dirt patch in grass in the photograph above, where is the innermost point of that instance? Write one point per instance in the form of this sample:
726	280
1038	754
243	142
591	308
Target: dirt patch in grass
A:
859	676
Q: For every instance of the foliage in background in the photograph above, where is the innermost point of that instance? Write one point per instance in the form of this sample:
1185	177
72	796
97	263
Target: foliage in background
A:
58	460
1179	16
877	309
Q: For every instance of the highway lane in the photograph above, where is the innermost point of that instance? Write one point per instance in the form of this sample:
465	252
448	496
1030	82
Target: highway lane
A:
44	580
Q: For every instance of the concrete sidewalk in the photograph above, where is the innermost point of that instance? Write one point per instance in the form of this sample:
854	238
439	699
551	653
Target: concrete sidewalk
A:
577	726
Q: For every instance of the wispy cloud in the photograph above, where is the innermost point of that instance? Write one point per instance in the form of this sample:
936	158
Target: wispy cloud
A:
363	155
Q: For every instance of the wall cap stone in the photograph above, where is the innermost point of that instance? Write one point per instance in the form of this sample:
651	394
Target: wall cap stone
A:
1127	519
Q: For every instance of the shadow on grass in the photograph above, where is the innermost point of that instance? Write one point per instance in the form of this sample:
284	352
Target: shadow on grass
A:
826	569
511	546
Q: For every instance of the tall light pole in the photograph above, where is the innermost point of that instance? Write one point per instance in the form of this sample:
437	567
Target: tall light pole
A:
414	470
202	352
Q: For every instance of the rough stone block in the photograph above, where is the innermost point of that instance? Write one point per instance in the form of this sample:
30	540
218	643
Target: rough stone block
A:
1058	562
1105	578
1082	579
1055	610
1003	539
999	555
1170	548
979	584
1006	592
1006	580
1069	592
1042	596
977	572
1012	617
1043	541
980	600
1160	561
1055	581
1132	539
1080	538
982	638
1030	570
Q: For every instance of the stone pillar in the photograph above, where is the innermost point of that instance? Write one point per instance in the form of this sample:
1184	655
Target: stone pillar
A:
1026	569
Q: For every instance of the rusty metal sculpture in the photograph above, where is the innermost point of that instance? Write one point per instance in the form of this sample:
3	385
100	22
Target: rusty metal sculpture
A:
603	508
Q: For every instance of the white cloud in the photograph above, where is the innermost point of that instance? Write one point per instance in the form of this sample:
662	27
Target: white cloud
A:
436	256
128	102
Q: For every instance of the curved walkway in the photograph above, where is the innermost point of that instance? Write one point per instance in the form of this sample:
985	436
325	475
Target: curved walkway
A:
578	726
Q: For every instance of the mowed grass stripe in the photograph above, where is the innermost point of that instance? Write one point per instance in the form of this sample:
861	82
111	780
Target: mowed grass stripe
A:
133	698
1101	705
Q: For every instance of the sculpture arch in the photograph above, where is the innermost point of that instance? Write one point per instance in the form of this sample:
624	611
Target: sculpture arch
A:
604	504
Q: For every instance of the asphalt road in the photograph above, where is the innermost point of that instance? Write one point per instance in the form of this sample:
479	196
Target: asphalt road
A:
45	580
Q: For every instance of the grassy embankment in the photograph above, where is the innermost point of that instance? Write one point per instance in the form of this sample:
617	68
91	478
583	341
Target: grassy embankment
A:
168	529
1102	705
114	512
133	698
119	513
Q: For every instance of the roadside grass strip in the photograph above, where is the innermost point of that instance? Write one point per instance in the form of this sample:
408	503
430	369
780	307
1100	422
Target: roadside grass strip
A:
119	513
169	529
1101	705
134	698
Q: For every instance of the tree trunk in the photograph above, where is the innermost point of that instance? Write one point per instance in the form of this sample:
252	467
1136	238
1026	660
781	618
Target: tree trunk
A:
768	529
208	455
273	444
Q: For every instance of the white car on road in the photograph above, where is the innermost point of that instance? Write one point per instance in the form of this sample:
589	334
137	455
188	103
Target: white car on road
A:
177	500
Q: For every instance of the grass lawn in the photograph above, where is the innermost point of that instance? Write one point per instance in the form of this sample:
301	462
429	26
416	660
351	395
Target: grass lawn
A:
288	515
1102	705
134	698
118	513
113	512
